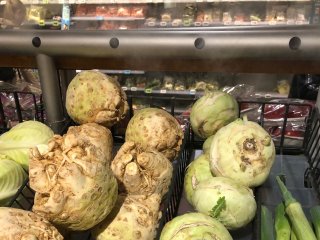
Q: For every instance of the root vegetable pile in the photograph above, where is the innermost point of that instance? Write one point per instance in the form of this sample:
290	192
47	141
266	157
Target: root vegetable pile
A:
141	172
74	184
17	224
156	129
95	97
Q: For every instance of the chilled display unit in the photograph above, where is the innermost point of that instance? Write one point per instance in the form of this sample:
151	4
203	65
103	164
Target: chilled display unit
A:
164	56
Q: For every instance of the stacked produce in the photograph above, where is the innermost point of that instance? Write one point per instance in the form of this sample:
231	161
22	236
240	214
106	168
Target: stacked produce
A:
143	169
14	159
12	176
15	144
17	224
71	173
243	151
157	129
194	226
290	221
134	217
74	184
237	155
197	171
211	112
95	97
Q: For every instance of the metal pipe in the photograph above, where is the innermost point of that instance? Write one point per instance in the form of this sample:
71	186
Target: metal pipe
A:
286	43
51	92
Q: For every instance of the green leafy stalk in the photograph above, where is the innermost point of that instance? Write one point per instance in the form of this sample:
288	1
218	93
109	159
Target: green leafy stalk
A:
267	229
294	210
315	217
293	235
217	209
282	224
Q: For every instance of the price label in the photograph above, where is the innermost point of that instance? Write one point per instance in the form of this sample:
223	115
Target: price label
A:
55	23
163	91
151	24
148	90
192	91
134	89
41	23
272	22
163	24
197	24
290	22
205	24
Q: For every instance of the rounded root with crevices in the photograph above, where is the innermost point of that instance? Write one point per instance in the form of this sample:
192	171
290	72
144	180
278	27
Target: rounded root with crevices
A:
74	184
18	224
141	171
156	129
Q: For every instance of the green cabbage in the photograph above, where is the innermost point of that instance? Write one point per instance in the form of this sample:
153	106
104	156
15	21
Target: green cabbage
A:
207	144
15	143
197	171
194	226
12	176
243	151
226	200
211	112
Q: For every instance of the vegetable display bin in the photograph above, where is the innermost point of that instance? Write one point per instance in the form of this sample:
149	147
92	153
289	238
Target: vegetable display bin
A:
298	156
25	196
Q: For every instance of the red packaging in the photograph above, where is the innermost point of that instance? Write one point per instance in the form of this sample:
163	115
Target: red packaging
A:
138	12
123	11
101	11
81	10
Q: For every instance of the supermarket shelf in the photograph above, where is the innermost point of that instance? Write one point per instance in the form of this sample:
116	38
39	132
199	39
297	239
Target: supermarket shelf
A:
143	1
214	24
102	18
161	91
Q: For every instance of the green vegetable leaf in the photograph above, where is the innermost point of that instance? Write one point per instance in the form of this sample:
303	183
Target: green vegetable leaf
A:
16	143
217	209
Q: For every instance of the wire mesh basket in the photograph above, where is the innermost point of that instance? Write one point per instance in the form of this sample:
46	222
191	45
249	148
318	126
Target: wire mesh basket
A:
17	106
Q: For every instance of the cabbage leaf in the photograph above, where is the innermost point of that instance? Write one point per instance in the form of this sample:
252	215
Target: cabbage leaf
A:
16	143
12	176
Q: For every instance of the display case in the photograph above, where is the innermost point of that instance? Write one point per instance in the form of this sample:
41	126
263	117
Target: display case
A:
167	54
125	14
